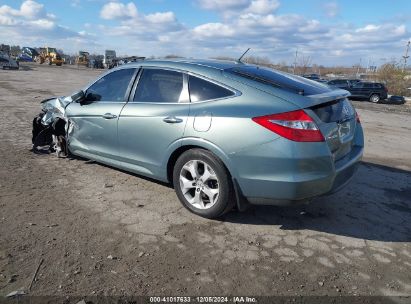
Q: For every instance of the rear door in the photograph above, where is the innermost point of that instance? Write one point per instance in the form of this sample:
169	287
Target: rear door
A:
154	119
357	90
367	90
93	126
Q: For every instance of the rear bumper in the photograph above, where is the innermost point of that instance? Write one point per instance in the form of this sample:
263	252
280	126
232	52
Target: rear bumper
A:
308	171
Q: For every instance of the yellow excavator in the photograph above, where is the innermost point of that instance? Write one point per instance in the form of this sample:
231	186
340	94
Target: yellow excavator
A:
83	58
49	56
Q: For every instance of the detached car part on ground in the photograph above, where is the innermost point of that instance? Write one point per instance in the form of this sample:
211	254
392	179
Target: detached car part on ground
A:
222	133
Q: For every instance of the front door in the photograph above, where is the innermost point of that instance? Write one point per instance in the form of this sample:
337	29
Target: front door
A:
93	125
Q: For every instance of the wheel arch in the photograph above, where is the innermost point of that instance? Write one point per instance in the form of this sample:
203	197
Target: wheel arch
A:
195	143
189	144
375	93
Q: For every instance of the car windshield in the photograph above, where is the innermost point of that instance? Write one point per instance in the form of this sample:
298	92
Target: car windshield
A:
279	79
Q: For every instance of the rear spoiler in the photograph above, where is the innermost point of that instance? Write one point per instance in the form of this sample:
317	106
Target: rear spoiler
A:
327	97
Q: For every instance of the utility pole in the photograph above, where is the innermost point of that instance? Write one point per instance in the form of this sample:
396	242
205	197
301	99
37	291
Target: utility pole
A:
406	56
358	68
295	60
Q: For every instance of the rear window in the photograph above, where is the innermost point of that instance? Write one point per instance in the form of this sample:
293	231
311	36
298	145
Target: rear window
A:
334	111
291	83
201	90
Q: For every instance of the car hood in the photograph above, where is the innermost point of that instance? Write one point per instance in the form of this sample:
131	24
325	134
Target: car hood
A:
53	108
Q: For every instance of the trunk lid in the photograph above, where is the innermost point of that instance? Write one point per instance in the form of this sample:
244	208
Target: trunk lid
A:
337	122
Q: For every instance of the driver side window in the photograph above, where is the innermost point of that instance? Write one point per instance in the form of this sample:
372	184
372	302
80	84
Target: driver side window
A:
112	87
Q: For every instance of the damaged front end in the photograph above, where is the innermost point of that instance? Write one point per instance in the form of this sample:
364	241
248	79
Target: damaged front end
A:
50	127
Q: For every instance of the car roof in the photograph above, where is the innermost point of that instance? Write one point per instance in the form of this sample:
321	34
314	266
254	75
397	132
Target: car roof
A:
184	63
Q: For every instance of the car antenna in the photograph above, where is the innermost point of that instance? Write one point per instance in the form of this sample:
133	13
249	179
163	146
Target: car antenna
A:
241	57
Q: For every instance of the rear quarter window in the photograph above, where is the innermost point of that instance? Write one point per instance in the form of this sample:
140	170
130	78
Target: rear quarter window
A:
202	90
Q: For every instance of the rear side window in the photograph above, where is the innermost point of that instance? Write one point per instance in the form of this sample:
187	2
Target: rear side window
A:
156	85
201	90
368	85
377	85
112	87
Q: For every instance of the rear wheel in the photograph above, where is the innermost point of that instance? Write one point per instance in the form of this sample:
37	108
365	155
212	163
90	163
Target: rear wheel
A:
203	184
375	98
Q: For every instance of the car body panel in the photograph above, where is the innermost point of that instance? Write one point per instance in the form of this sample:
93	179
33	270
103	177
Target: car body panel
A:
139	140
92	133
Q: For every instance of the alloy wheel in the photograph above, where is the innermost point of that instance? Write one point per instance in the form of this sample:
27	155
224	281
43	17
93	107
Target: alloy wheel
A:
199	184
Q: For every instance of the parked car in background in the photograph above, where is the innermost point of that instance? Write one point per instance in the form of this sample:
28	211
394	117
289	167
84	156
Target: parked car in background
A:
372	91
222	133
312	76
343	83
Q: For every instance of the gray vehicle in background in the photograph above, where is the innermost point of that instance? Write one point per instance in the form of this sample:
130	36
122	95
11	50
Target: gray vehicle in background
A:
224	134
8	63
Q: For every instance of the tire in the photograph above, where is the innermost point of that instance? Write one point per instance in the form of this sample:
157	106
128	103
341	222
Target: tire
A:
375	98
198	188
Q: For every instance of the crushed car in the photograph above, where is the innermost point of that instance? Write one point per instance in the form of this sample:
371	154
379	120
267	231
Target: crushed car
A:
50	126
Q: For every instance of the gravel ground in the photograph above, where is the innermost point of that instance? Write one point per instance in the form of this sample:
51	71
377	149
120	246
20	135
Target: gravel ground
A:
101	231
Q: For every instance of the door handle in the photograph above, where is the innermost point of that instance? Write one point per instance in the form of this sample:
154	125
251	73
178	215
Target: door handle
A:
172	119
109	116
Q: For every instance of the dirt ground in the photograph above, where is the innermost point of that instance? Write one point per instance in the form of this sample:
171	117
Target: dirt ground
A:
101	231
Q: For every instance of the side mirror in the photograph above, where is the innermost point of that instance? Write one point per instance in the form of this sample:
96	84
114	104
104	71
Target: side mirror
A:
78	97
92	97
88	98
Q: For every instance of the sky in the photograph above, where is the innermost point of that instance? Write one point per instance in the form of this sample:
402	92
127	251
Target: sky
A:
337	32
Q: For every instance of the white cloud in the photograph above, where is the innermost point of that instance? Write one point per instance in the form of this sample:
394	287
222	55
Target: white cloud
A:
332	9
117	10
161	17
31	24
262	7
213	30
29	9
155	26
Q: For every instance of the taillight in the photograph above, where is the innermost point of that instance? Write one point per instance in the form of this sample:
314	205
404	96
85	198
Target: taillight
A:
295	125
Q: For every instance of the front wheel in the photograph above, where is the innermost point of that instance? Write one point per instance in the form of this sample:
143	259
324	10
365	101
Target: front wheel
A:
375	98
203	184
